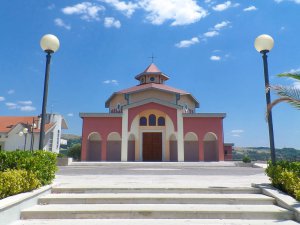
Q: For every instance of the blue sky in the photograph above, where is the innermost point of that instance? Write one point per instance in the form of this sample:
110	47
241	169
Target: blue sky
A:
206	47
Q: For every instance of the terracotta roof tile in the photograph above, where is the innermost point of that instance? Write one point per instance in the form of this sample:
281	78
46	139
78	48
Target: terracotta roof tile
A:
7	123
152	68
152	85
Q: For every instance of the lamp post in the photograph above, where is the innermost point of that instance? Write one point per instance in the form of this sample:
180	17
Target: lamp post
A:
263	44
32	127
50	44
24	132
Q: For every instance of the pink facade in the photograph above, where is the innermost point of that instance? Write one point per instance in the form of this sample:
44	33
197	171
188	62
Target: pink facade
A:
203	125
153	122
103	126
228	148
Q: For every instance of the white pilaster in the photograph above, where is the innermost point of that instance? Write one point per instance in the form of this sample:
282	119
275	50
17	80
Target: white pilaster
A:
124	147
180	143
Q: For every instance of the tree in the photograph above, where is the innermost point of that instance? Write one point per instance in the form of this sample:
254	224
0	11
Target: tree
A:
75	152
287	94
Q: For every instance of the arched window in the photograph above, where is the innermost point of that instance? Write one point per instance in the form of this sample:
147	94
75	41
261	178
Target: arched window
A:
152	120
143	121
161	121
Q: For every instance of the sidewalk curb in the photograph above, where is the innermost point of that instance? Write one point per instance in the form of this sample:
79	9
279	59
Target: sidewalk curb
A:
282	199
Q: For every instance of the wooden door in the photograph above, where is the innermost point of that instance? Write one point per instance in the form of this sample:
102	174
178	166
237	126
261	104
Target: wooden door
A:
152	146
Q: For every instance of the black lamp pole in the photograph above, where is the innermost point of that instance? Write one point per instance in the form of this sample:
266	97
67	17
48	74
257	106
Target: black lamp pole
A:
45	96
268	99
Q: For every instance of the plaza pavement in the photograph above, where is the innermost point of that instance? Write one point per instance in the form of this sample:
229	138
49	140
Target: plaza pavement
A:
134	174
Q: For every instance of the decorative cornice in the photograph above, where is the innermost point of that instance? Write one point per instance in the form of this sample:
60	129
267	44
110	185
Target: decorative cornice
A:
84	115
152	100
207	115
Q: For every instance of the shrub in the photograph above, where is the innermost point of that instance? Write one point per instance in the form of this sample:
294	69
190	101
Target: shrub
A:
17	181
75	152
285	176
60	155
246	159
41	163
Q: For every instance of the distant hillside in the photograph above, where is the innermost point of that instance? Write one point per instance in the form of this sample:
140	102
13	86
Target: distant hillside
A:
70	136
263	153
72	140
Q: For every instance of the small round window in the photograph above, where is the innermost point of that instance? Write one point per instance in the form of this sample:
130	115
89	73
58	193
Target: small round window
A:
152	78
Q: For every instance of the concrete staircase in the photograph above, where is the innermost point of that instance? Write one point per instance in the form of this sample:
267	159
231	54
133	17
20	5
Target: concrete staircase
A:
150	206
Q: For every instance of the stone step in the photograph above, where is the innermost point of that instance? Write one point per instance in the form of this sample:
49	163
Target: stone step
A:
154	222
199	190
156	198
156	211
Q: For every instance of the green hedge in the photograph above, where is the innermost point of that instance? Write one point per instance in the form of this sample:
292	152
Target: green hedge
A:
41	163
285	176
13	182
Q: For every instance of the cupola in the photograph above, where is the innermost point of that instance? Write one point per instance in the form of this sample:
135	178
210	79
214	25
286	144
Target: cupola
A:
152	75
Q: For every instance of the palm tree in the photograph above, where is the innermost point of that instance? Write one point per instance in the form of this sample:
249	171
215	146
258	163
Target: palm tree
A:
287	93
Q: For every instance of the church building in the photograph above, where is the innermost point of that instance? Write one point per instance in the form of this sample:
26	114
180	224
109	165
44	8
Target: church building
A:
153	122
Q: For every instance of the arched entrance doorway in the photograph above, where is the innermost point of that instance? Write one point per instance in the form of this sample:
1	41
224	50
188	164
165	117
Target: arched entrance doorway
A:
94	147
114	147
191	149
210	147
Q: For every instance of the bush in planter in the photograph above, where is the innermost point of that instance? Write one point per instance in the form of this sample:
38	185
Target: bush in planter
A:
75	152
246	159
285	176
41	163
17	181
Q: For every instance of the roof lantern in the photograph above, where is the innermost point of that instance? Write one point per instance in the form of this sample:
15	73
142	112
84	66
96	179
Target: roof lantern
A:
152	75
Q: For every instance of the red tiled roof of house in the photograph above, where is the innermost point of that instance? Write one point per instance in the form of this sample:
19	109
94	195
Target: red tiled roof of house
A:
7	123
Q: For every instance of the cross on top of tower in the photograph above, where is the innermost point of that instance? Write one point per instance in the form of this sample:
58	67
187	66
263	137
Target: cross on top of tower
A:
152	57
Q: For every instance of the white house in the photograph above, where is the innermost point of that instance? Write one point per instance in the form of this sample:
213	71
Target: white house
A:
22	132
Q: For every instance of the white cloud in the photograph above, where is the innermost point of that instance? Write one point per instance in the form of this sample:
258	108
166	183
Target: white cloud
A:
223	6
11	91
87	10
293	71
187	43
295	1
25	102
111	22
27	108
2	99
60	23
11	105
114	82
296	84
70	114
221	25
250	8
181	12
237	133
211	33
128	8
215	58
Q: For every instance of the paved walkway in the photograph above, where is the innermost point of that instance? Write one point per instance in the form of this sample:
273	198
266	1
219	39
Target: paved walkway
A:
216	174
